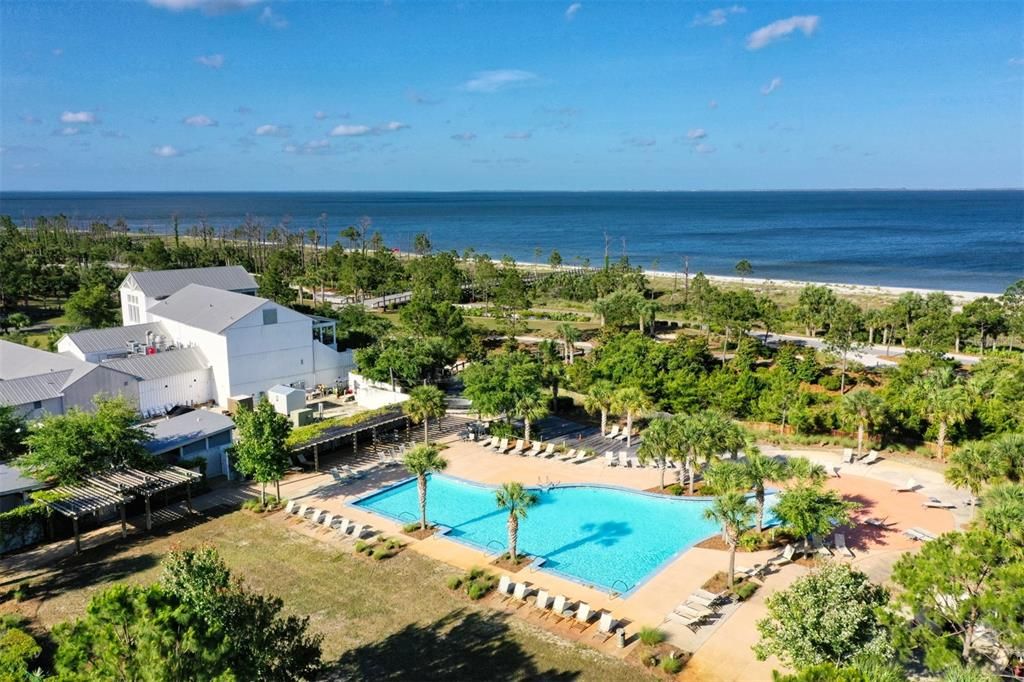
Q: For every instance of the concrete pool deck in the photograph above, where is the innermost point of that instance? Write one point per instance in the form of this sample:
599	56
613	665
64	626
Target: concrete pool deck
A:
715	646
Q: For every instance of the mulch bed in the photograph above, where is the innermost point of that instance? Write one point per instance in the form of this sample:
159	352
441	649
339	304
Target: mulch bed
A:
781	539
504	563
661	652
420	534
719	583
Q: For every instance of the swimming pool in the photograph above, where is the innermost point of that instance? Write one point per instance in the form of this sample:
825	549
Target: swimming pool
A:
610	538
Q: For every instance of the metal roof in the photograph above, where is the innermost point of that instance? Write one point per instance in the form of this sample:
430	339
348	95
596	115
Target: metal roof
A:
17	361
159	365
115	487
169	434
281	389
206	308
30	389
163	283
13	481
96	340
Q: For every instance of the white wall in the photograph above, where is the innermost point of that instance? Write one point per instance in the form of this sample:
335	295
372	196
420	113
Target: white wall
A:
31	413
187	388
261	355
101	380
214	347
373	394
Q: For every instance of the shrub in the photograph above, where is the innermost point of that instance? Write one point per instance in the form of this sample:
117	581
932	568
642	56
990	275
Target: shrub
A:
651	636
392	544
381	553
830	382
476	572
411	527
22	590
255	505
674	489
671	665
745	590
477	590
454	582
361	546
750	542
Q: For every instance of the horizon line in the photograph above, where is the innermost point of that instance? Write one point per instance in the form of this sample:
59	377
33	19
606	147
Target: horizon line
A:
509	191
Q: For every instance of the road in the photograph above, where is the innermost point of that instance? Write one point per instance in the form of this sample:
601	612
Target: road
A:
869	356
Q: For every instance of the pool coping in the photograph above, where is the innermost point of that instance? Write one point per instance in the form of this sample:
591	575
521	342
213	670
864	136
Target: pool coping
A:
538	562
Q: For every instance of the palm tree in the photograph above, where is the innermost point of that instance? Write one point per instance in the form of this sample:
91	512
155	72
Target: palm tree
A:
552	371
1003	511
530	408
947	407
759	470
733	512
632	401
970	468
599	399
515	499
1008	456
865	409
647	312
568	335
723	476
660	444
425	403
688	432
420	461
804	470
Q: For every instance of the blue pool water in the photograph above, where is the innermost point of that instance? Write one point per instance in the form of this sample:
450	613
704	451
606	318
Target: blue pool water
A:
606	537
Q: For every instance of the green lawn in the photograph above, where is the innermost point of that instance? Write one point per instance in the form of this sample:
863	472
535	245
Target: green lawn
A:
390	620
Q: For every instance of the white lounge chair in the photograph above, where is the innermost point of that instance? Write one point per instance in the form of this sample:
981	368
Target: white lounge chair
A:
847	455
543	600
522	591
623	458
549	451
758	571
785	558
622	435
876	522
486	442
328	520
918	534
291	507
700	600
501	446
518	448
505	586
302	511
685	609
839	542
567	455
560	607
605	626
353	473
819	547
314	517
936	503
910	486
711	596
691	622
583	615
358	530
609	459
871	458
634	462
582	456
613	432
342	526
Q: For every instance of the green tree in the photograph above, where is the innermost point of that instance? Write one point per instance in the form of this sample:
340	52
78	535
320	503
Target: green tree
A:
599	399
568	335
425	403
261	452
140	633
1002	511
73	445
985	315
516	500
864	669
18	649
1007	453
970	467
947	403
844	320
263	643
863	409
552	370
13	430
953	585
814	307
530	407
759	469
744	268
1012	302
804	470
421	244
633	402
659	444
495	386
421	461
807	508
733	512
91	308
828	616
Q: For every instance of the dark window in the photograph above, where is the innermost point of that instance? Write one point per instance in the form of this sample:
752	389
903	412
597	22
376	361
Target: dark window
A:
270	316
37	405
220	439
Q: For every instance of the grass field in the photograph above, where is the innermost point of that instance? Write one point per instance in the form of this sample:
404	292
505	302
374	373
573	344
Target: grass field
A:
389	620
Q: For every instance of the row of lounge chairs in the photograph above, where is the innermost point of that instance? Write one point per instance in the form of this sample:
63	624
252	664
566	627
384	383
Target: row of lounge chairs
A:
318	517
559	607
849	457
538	449
616	434
698	608
344	474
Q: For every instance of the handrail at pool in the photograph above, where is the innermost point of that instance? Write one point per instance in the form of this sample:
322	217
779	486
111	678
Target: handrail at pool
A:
624	584
499	543
403	514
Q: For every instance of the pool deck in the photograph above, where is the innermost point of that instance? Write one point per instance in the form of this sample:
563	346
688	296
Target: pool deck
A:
715	646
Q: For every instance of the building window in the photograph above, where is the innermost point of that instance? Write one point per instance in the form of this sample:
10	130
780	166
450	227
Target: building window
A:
37	405
270	316
133	308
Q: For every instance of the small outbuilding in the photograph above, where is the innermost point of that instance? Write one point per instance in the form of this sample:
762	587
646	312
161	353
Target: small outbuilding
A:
286	399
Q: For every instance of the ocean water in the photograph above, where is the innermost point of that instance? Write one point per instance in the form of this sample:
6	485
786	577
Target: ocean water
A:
606	537
963	240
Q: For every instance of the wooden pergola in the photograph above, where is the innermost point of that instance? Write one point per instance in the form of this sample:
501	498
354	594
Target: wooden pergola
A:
330	439
116	488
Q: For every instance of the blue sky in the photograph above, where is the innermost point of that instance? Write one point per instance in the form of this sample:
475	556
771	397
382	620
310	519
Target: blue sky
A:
248	95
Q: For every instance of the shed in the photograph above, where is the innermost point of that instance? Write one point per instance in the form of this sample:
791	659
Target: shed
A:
200	433
286	399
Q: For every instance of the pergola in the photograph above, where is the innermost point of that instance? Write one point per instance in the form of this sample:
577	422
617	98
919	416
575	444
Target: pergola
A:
116	488
330	439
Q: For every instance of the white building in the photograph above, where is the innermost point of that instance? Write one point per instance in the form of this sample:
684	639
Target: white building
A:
37	382
141	290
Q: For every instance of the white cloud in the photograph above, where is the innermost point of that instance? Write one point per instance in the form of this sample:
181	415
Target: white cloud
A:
774	85
519	135
766	35
270	130
199	121
320	115
717	17
1016	61
393	126
464	137
268	17
308	148
573	10
492	81
165	151
713	104
78	117
67	131
350	130
207	6
703	148
213	61
696	134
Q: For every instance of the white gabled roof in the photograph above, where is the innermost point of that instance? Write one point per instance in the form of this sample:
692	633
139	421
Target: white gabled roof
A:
206	308
163	283
96	340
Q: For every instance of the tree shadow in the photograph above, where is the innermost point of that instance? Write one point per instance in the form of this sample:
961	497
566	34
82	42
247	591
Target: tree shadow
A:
462	645
605	534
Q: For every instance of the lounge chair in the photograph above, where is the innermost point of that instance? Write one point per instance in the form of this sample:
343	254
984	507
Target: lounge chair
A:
338	476
871	458
701	601
691	622
634	462
302	511
847	455
605	626
623	458
910	486
609	459
918	534
486	442
518	448
839	542
819	547
613	432
522	591
567	455
936	503
315	516
328	520
500	445
342	525
876	522
549	451
758	571
291	507
353	473
711	596
505	586
583	615
560	607
785	558
358	530
692	610
622	435
543	600
582	456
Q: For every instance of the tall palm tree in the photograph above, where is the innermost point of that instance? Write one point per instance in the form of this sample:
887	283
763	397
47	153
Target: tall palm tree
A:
660	444
568	335
688	432
864	409
647	313
552	369
947	407
599	399
805	471
1008	456
515	499
970	468
530	407
733	512
420	461
631	401
759	470
425	403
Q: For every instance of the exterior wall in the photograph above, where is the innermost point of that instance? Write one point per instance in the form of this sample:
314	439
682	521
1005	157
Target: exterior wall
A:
134	305
101	380
67	347
214	347
332	368
261	355
373	394
188	388
30	412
